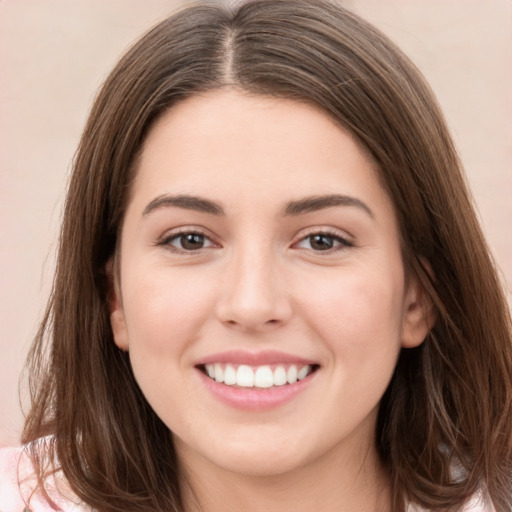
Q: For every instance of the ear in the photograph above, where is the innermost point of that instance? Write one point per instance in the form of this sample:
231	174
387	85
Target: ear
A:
419	313
115	305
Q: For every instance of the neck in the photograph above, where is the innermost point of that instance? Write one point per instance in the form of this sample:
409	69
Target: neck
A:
332	484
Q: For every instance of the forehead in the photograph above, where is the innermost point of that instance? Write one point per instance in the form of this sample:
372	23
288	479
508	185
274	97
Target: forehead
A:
227	142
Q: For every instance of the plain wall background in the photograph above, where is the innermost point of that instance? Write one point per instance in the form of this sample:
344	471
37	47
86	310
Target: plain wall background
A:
54	54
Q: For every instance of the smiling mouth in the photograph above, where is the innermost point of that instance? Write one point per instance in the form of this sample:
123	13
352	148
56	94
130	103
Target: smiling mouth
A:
257	377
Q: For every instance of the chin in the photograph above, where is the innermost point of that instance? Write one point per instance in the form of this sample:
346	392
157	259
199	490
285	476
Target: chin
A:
259	464
249	457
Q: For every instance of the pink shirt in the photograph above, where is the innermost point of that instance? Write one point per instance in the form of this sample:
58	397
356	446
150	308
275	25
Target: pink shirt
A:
17	484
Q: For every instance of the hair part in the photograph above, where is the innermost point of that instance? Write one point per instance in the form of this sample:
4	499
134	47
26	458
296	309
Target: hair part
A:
445	422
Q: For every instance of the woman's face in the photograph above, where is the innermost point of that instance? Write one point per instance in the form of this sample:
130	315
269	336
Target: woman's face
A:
259	247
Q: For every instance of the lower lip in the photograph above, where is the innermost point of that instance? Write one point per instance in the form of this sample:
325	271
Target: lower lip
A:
254	399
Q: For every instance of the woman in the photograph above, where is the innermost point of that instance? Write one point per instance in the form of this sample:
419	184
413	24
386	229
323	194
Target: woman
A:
272	291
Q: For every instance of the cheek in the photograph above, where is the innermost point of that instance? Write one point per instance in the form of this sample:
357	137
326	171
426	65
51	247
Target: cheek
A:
358	313
164	309
164	313
356	318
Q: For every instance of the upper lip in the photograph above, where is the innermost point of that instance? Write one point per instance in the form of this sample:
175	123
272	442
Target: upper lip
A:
266	357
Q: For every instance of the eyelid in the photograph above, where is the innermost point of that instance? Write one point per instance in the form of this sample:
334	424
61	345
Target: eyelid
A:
346	240
172	234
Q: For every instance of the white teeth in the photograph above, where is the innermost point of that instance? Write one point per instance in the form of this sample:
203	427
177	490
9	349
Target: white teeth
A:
218	373
210	371
303	372
264	377
229	375
279	376
291	374
259	377
245	376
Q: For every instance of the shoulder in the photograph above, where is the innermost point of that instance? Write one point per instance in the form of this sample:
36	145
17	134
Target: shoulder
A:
18	486
477	503
10	497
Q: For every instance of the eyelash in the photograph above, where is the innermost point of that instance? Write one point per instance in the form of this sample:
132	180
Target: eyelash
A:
339	243
180	235
335	237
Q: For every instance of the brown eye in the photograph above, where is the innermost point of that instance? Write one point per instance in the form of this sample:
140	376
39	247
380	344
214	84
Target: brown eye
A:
188	242
191	241
323	242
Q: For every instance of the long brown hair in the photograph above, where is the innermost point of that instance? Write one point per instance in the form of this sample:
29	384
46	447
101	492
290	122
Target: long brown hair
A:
445	422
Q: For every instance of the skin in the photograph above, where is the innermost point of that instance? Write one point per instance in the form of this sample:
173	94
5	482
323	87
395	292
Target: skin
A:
257	282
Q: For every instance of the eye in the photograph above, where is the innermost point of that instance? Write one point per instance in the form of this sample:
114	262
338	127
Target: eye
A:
188	241
323	242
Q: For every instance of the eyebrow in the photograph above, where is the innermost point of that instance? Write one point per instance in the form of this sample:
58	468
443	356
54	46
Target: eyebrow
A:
315	203
187	202
293	208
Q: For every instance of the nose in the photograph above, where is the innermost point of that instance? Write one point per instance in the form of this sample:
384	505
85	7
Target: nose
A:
254	296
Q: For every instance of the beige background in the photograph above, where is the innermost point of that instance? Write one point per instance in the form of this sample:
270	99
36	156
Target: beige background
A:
55	53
